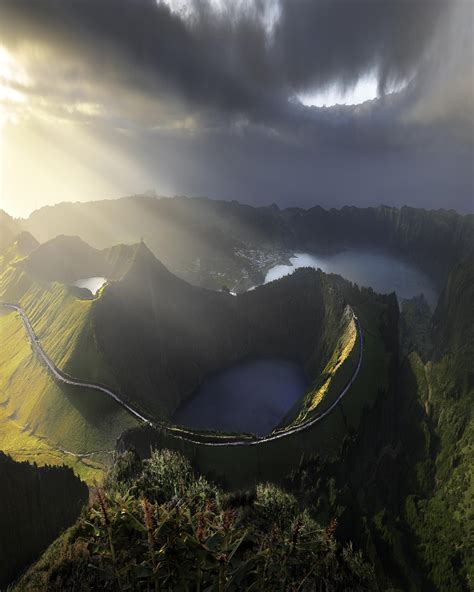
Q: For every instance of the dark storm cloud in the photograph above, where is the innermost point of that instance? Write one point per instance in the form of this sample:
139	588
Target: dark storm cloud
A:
207	100
325	40
228	60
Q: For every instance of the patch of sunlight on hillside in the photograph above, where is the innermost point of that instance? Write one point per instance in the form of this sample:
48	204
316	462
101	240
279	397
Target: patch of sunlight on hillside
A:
61	321
345	347
43	422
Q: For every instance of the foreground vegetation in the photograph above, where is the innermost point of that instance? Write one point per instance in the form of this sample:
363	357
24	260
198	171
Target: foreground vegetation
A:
154	525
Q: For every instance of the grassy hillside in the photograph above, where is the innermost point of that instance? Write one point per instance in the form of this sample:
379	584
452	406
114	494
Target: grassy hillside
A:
20	246
9	229
69	258
339	368
61	315
64	258
61	319
40	419
49	423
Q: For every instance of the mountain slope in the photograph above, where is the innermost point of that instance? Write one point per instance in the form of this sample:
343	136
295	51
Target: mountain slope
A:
446	389
9	229
150	337
172	335
47	422
399	474
42	419
68	258
21	245
240	466
403	486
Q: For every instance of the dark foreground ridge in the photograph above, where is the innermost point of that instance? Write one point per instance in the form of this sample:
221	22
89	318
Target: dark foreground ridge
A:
36	504
60	376
156	525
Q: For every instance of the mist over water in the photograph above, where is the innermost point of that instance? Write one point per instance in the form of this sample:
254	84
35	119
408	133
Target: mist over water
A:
251	396
94	284
380	271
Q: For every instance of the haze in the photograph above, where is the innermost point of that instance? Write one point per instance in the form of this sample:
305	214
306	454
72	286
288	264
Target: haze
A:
297	103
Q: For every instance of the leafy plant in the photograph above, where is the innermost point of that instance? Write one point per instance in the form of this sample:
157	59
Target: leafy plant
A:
161	528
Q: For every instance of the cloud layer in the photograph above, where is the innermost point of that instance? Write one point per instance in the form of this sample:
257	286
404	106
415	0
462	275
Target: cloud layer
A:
195	76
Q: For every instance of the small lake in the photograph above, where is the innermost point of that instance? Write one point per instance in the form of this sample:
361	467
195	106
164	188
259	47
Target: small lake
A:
250	396
380	271
94	284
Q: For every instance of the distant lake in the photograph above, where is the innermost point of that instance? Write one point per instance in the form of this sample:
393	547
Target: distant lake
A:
251	396
380	271
94	284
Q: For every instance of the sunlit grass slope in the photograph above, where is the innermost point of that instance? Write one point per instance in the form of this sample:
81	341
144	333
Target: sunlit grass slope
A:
41	420
21	246
62	322
46	422
337	372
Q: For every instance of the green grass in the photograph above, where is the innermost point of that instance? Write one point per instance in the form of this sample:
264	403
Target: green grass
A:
155	525
39	418
338	370
62	322
443	522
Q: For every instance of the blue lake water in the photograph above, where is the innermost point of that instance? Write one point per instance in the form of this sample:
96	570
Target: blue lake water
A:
94	284
381	271
250	396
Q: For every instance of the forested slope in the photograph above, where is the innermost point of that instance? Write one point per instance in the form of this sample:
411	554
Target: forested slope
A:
36	504
403	485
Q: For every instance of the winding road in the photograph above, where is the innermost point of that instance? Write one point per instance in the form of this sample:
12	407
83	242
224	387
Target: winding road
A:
63	378
56	373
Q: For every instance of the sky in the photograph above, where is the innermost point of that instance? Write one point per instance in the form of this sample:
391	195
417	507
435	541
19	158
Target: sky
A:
293	102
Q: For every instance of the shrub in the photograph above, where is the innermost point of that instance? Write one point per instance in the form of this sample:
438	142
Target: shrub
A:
172	530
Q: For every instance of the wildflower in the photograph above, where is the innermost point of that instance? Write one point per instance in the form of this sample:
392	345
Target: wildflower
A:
331	529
